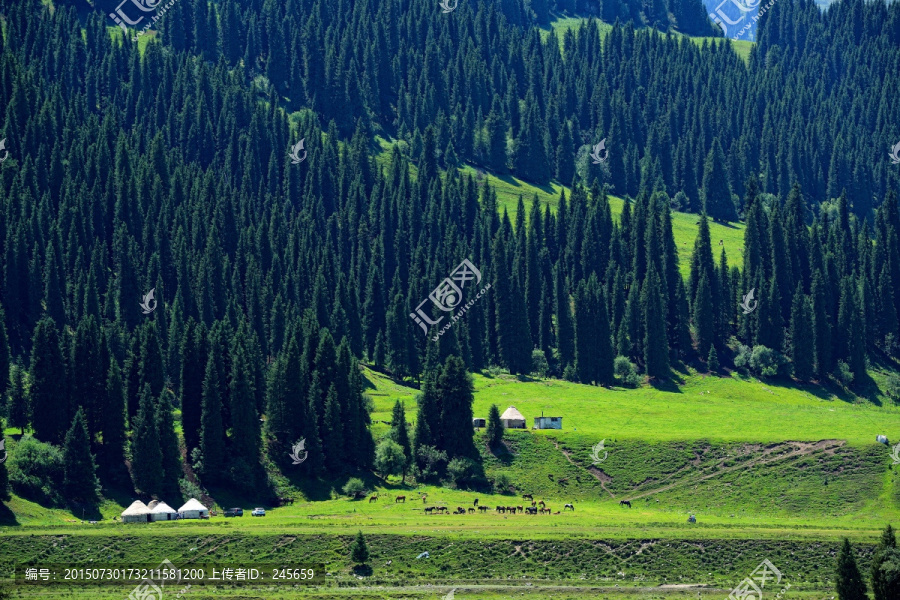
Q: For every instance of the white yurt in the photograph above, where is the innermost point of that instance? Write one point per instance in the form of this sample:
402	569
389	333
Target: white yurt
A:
192	509
136	513
160	511
512	419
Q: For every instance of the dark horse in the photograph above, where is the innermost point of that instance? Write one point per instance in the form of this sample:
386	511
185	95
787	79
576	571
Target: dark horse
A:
625	503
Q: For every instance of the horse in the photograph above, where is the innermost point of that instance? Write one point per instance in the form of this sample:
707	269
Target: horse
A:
625	503
442	509
527	497
556	513
533	503
530	510
429	510
568	506
373	499
483	508
545	510
471	511
501	509
400	499
542	504
459	511
476	502
520	509
424	498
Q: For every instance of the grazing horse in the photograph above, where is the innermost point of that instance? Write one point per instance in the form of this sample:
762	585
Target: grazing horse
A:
459	511
533	503
424	498
373	499
545	510
520	509
501	509
530	510
527	497
429	510
476	502
400	499
471	511
442	509
511	509
543	504
625	503
568	506
483	508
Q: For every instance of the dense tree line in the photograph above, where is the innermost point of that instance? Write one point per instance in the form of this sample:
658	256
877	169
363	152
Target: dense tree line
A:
676	116
168	170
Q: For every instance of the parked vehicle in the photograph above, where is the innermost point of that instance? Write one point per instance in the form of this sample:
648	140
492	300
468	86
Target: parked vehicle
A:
234	512
259	512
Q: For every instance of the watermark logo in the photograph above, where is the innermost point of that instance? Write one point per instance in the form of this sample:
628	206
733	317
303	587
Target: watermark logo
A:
3	148
446	8
146	305
596	152
448	295
751	587
146	6
148	588
595	453
297	449
895	153
749	304
3	449
296	159
895	454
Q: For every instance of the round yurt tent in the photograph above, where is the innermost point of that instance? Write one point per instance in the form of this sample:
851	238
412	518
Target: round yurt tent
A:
136	513
161	511
512	419
192	509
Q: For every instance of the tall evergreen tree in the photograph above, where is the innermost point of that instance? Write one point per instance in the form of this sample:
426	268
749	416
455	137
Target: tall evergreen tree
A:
400	434
49	393
849	583
454	389
146	454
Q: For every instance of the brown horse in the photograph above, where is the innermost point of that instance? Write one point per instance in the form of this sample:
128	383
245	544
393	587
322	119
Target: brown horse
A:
373	499
483	508
542	504
527	497
471	510
400	499
520	508
544	510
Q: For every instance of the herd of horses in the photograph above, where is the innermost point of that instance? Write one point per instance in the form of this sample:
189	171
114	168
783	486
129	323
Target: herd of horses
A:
539	507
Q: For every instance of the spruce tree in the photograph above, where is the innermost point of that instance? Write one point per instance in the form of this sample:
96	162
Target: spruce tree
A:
193	368
146	454
802	342
712	361
849	583
400	434
244	443
885	567
454	389
656	350
593	347
716	192
212	429
494	427
703	317
112	419
168	446
49	394
17	399
359	552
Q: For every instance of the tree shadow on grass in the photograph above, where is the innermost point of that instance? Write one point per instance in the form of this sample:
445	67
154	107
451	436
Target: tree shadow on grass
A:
7	517
85	511
665	385
362	570
502	453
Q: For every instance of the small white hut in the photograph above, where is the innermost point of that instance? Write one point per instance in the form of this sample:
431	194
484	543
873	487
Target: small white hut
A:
512	419
160	511
192	509
136	513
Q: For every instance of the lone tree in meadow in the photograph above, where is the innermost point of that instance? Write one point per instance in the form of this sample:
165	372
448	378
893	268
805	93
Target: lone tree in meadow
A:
494	427
849	584
359	552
